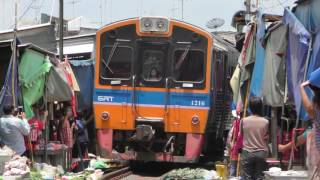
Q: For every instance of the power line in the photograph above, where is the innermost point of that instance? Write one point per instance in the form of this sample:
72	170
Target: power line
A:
24	13
74	2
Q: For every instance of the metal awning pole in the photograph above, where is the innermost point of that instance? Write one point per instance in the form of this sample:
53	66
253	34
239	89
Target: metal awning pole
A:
14	61
61	30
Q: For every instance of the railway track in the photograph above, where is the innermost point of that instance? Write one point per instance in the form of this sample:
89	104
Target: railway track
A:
139	172
127	173
118	174
147	171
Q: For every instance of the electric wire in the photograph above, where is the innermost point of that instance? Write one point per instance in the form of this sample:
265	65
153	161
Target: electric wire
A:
24	13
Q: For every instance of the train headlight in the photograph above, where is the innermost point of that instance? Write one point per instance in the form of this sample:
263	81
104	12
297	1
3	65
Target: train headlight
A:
154	24
105	116
160	24
147	24
195	120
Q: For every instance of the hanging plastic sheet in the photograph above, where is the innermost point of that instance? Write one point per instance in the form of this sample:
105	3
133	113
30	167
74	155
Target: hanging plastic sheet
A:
308	13
314	62
273	88
235	84
57	87
247	60
10	91
83	71
32	71
296	57
257	75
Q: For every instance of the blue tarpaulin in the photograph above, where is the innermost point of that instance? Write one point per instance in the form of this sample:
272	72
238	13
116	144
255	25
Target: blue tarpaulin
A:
309	15
10	91
257	75
83	71
314	61
315	57
296	57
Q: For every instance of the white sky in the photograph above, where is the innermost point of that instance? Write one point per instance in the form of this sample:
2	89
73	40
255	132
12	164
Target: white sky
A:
196	12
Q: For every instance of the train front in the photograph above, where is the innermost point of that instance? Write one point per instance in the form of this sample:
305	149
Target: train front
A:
152	89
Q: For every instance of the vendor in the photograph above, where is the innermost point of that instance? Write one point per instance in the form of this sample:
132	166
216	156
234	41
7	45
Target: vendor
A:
255	138
235	142
12	129
300	141
82	138
312	107
36	128
67	126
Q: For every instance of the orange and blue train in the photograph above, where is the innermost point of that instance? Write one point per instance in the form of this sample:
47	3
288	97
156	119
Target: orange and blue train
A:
161	90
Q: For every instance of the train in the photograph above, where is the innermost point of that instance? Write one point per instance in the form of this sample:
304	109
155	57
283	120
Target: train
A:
161	90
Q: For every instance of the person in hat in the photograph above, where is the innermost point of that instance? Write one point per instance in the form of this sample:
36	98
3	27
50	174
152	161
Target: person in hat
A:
312	107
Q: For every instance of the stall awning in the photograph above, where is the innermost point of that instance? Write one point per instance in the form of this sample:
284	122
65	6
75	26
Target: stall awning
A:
75	49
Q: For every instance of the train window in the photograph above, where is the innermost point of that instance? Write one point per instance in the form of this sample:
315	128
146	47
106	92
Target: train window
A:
189	65
116	62
152	65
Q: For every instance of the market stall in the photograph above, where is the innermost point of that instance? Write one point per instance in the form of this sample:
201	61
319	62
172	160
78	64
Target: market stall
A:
278	55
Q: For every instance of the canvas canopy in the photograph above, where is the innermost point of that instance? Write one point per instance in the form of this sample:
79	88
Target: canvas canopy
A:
57	87
32	71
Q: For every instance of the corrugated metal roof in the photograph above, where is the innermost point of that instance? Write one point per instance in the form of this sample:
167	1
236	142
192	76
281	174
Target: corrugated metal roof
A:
42	35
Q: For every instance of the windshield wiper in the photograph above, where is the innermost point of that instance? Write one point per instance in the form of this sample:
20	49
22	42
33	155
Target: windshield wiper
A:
107	66
182	58
114	47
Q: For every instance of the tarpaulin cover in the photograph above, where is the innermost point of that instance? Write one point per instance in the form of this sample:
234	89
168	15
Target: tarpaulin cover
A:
57	86
309	15
235	84
247	60
296	57
314	61
43	36
10	91
274	78
257	75
32	71
83	71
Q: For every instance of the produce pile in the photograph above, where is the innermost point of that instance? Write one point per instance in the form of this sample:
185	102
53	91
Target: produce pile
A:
45	171
94	171
17	166
188	173
5	150
87	174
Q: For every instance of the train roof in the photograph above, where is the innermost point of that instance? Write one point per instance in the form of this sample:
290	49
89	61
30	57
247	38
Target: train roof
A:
222	45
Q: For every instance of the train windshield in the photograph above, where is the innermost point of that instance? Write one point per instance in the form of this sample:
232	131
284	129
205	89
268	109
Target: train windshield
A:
188	65
116	62
152	65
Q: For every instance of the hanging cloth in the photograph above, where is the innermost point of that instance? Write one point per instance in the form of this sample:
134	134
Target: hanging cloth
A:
296	58
274	69
32	73
257	75
10	91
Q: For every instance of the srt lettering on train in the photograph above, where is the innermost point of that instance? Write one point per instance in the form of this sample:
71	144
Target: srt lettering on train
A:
105	98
